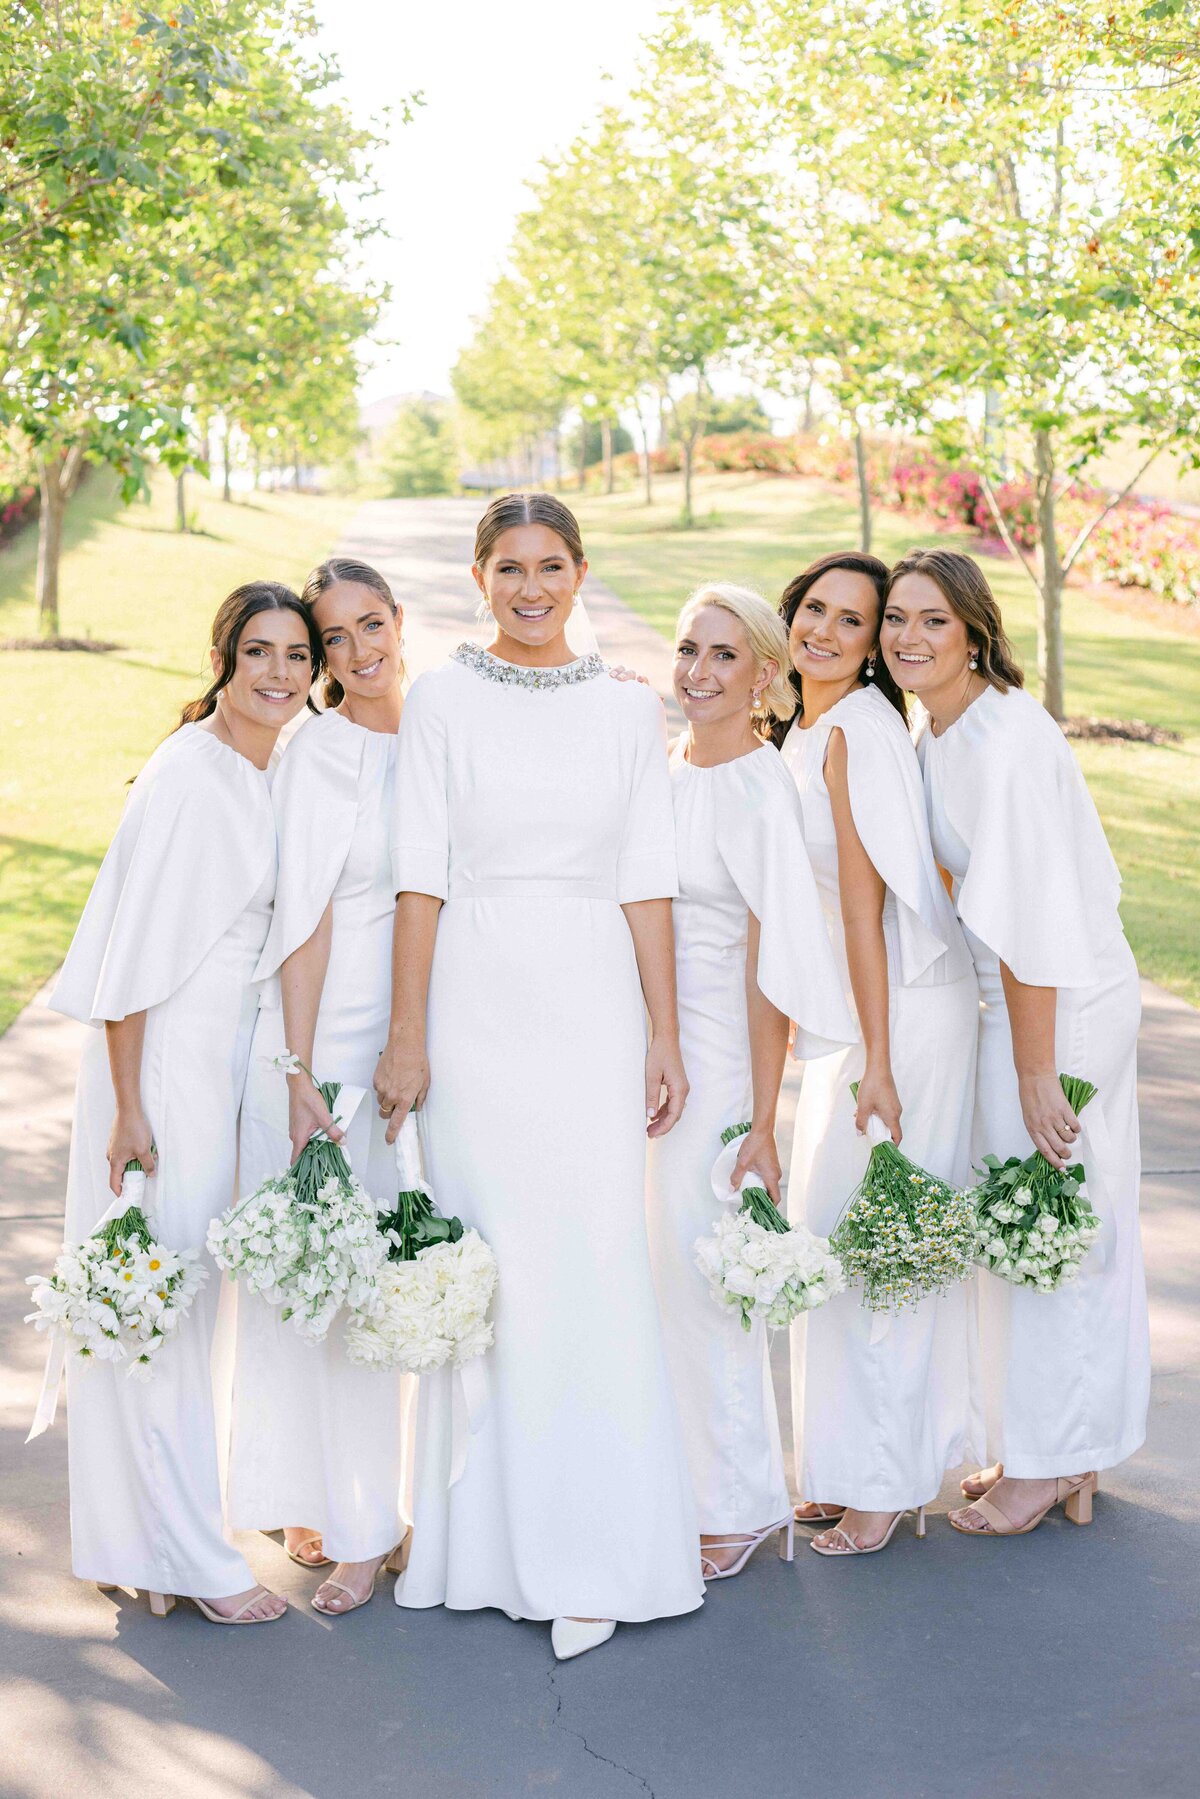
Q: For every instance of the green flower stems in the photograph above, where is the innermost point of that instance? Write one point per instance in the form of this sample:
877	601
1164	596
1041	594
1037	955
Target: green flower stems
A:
756	1200
415	1225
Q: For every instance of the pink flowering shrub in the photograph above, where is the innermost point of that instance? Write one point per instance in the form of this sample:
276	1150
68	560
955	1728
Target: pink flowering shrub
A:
16	507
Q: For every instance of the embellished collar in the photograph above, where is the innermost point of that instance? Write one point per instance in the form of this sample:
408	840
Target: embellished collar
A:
540	680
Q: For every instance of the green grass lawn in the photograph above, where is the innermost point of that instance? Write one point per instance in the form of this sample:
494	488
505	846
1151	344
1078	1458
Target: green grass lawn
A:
761	530
74	727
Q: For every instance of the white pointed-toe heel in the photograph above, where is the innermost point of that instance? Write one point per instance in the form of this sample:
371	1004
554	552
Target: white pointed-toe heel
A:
710	1570
844	1543
572	1636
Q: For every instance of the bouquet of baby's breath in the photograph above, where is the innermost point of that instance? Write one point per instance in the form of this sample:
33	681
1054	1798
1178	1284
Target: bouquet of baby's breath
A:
435	1287
119	1294
307	1238
904	1233
757	1261
1035	1223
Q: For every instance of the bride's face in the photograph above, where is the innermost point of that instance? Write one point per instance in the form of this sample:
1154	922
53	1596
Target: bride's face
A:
717	676
530	582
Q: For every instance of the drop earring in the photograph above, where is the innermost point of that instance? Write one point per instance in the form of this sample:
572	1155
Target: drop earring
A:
973	660
869	671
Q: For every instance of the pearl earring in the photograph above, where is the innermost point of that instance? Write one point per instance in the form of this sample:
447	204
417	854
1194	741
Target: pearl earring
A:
973	663
869	671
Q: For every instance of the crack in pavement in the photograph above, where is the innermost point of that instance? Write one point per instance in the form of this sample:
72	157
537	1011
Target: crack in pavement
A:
557	1719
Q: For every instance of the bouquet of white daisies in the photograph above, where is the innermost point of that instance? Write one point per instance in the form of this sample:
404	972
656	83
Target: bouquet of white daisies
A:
435	1287
1035	1222
758	1262
120	1294
307	1238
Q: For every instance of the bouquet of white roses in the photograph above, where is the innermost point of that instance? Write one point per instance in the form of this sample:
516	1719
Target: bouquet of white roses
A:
904	1233
307	1238
435	1287
757	1261
1035	1224
118	1295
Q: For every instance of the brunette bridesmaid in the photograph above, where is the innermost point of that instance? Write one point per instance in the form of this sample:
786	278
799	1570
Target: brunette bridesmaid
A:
317	1439
1064	1377
162	966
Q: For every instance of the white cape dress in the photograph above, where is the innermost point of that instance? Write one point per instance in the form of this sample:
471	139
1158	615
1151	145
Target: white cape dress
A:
739	842
174	926
535	807
1063	1377
316	1440
881	1406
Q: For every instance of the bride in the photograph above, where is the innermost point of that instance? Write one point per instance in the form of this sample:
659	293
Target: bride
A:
534	865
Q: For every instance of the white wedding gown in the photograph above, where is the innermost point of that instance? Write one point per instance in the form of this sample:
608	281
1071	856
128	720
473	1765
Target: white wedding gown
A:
740	847
174	926
881	1405
1064	1377
534	803
316	1440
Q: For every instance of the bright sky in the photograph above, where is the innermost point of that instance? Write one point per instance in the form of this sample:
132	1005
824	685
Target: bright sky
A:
506	82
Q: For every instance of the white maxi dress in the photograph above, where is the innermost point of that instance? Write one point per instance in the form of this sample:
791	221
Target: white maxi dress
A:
174	927
534	804
739	841
316	1440
1064	1377
882	1404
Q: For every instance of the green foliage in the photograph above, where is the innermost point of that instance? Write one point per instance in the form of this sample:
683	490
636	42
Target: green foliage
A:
419	454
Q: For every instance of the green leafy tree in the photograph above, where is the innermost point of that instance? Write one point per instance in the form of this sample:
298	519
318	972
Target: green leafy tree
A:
419	454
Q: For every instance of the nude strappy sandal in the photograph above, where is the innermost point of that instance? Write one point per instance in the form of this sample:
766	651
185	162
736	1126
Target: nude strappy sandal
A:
395	1563
161	1604
293	1554
1074	1495
710	1570
849	1547
820	1516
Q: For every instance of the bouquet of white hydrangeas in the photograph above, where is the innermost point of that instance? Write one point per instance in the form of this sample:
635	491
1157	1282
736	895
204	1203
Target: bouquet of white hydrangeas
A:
757	1261
118	1295
1035	1223
434	1289
307	1238
904	1233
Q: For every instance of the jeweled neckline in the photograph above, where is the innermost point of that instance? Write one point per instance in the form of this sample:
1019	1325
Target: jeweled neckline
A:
537	680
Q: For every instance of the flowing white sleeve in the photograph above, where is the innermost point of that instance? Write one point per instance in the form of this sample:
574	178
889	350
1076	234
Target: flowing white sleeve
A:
315	801
888	805
194	844
760	837
646	866
1041	888
420	844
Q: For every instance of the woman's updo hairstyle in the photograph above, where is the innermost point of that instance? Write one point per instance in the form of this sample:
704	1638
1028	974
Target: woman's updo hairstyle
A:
233	615
326	575
767	639
964	587
857	562
512	509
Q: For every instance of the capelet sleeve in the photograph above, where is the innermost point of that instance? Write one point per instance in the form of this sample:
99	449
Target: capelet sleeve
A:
315	801
195	843
1041	888
760	837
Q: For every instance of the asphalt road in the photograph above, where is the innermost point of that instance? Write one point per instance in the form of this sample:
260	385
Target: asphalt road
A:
1065	1661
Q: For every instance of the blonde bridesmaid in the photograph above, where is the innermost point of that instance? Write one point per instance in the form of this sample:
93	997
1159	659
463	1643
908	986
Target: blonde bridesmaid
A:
1064	1377
163	967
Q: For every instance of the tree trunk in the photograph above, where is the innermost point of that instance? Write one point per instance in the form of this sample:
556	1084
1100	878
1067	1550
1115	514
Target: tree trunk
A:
687	446
582	454
57	476
226	472
1051	672
647	472
606	437
181	523
806	424
864	490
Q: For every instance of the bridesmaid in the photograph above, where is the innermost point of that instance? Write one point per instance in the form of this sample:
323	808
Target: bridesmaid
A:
315	1437
881	1405
534	861
163	961
752	952
1065	1376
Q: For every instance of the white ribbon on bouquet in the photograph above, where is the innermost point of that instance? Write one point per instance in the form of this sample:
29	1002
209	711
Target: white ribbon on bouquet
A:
471	1387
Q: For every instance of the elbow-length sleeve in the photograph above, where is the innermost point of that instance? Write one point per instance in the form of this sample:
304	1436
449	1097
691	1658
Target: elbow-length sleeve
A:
646	867
195	842
420	839
760	837
1042	889
888	806
315	801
